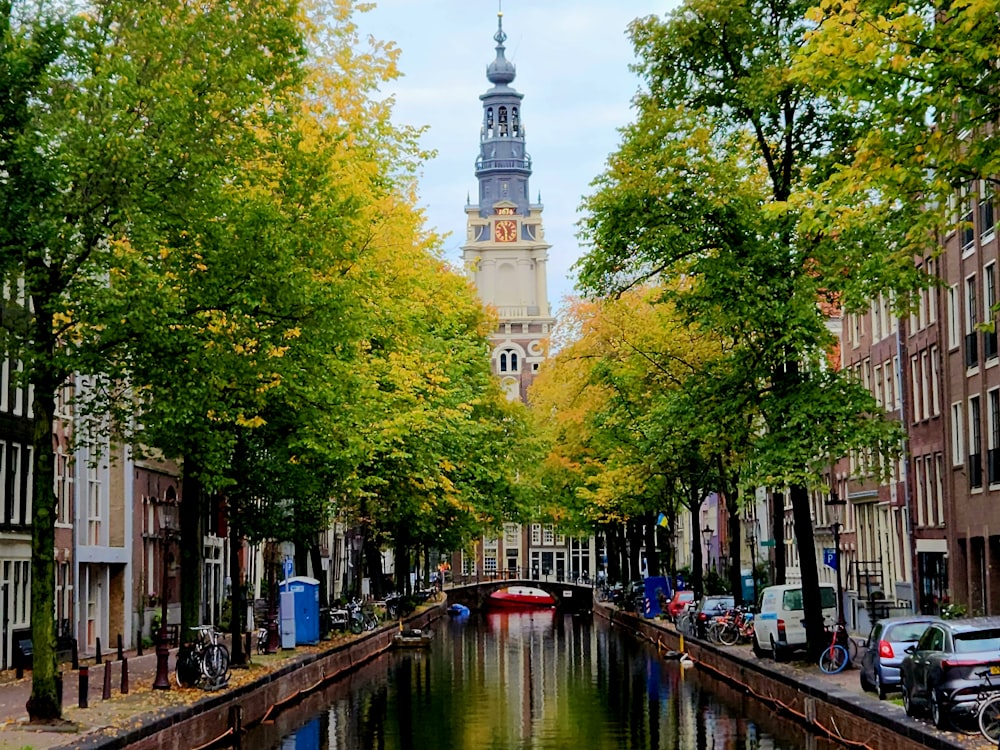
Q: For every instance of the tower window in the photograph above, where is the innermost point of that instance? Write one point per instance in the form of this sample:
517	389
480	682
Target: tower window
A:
489	122
514	122
508	360
502	111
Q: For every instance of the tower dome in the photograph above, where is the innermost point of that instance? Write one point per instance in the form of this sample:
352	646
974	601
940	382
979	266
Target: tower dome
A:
501	71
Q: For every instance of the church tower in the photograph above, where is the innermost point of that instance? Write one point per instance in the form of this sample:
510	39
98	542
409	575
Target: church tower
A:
505	252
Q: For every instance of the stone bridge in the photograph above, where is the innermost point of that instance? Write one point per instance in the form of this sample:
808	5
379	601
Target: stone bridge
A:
569	597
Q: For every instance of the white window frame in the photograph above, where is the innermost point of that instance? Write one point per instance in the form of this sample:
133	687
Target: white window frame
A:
957	434
954	318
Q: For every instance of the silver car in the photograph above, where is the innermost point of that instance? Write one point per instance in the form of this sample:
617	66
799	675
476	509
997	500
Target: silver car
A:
886	648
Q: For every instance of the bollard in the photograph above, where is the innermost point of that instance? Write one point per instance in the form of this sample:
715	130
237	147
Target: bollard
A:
120	648
247	639
107	681
76	655
84	685
18	665
124	686
59	689
97	657
138	644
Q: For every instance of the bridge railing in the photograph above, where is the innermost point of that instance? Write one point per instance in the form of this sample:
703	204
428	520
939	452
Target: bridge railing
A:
516	574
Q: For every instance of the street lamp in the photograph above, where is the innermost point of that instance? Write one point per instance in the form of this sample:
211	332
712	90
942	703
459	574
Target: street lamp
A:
750	532
168	530
836	506
706	534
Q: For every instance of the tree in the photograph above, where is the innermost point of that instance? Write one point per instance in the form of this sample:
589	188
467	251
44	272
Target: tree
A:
700	190
920	81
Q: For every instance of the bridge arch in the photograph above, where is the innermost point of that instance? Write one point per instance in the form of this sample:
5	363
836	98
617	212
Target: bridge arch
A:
569	597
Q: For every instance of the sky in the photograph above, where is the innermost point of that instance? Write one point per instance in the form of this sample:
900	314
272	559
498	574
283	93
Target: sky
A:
572	59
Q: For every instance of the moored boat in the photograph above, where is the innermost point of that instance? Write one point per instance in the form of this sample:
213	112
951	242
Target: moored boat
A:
412	639
521	597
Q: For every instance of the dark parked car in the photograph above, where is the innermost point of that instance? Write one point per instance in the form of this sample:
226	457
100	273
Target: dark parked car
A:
886	647
943	672
708	609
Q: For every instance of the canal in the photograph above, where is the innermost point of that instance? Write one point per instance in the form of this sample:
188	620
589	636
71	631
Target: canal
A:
528	680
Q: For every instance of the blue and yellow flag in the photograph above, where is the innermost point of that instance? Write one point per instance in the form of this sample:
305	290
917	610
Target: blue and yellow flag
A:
662	521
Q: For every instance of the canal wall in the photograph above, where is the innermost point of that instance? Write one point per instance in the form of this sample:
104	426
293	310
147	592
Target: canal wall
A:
850	718
215	720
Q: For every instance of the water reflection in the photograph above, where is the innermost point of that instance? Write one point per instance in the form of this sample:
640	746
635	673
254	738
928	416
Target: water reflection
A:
528	680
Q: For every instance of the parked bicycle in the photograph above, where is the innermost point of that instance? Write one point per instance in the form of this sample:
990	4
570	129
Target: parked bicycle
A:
361	616
205	661
836	656
988	711
736	626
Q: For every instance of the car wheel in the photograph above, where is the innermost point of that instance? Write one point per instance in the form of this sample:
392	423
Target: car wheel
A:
866	684
757	650
778	654
938	714
908	706
878	686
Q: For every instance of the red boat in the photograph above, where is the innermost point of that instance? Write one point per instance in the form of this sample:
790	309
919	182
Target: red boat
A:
521	597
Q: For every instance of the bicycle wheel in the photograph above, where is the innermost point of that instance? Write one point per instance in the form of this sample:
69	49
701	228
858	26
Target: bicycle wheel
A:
357	624
989	719
215	661
852	649
729	634
833	659
187	672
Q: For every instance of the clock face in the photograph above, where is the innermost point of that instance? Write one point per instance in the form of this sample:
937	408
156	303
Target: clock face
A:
505	230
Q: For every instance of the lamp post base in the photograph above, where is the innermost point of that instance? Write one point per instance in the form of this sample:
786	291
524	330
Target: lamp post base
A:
162	681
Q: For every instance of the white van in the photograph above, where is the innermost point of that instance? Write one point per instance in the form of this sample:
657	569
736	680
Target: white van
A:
778	628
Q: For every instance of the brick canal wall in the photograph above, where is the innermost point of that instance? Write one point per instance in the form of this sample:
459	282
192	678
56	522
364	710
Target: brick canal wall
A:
195	726
813	700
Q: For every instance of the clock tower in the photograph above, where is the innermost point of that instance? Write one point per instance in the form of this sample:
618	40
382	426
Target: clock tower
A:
505	252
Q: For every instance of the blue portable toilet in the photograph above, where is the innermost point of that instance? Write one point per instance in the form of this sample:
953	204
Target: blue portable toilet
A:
305	593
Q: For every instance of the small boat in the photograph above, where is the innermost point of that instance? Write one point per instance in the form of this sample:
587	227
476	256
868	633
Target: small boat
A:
412	639
458	610
521	597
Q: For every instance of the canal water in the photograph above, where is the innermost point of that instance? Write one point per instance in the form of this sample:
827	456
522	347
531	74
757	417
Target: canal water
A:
520	680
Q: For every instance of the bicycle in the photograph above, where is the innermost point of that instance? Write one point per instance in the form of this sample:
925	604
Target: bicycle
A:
205	661
988	711
361	617
735	627
835	656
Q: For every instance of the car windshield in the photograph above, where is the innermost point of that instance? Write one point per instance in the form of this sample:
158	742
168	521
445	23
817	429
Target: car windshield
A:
905	632
977	640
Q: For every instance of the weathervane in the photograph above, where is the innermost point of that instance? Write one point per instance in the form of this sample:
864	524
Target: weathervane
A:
500	37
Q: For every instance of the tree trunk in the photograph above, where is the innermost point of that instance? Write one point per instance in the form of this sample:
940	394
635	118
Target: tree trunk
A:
735	540
613	542
778	535
317	565
695	499
43	705
812	604
652	553
634	549
238	602
191	540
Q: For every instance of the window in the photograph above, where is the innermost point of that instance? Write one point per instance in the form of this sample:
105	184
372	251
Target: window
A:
932	292
993	446
957	432
966	229
987	219
508	360
929	489
918	470
915	387
939	487
888	401
897	386
989	303
953	317
876	320
878	386
971	319
935	383
925	398
64	484
93	506
975	444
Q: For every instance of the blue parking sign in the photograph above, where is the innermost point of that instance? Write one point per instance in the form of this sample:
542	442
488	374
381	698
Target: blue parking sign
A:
830	557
